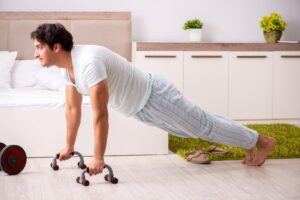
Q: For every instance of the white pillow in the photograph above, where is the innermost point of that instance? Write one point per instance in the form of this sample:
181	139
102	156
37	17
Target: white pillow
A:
7	60
22	73
50	78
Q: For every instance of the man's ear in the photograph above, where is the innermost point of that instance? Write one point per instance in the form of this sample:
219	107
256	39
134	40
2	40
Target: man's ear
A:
57	47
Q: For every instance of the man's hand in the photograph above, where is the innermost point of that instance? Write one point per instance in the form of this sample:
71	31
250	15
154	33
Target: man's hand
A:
96	166
65	153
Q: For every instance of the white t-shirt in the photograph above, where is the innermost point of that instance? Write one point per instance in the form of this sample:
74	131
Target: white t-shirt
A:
129	87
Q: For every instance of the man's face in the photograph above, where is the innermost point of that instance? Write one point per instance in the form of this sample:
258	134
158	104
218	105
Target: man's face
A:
43	52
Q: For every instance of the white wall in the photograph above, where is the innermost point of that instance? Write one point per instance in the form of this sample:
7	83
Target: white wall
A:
161	20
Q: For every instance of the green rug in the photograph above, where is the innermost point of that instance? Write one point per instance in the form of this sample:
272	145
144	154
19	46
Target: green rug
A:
287	136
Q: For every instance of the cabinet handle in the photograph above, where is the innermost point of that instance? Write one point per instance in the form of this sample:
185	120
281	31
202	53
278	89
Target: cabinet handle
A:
206	56
290	56
160	56
251	56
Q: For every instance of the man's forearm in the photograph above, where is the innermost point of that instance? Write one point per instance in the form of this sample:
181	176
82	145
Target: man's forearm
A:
73	116
100	135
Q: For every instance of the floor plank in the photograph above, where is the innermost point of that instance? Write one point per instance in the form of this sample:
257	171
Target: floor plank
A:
155	177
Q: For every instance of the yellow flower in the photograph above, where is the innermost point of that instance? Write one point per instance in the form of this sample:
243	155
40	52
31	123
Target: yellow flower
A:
273	22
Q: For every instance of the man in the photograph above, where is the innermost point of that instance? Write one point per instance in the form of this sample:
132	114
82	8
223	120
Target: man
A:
109	79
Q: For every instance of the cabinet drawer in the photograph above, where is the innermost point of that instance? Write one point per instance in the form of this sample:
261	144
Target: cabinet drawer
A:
206	80
286	82
168	64
250	85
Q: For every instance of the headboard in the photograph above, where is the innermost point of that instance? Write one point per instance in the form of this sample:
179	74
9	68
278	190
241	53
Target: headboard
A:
109	29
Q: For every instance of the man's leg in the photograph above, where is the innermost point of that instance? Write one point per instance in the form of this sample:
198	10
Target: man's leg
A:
169	110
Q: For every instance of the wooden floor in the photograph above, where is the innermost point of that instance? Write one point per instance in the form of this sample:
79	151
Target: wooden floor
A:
156	177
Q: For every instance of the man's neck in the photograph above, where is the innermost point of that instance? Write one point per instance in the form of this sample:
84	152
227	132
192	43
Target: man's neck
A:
65	61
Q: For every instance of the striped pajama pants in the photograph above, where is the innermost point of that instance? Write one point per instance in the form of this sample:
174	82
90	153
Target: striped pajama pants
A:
169	110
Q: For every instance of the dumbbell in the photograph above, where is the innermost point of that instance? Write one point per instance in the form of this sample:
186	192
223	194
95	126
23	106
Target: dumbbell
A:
80	164
108	177
12	159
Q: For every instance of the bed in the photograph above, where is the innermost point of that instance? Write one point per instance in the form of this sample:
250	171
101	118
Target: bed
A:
33	116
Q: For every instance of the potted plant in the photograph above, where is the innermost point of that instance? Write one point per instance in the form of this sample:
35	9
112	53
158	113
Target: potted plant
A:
273	26
194	26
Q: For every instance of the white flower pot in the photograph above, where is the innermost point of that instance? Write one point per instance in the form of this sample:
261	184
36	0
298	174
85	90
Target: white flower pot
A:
195	34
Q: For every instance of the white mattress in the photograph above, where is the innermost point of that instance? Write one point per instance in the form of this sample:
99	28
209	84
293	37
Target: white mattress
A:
33	98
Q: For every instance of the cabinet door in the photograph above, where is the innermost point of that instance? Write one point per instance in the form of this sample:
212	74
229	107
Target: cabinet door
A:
250	85
286	95
168	64
206	80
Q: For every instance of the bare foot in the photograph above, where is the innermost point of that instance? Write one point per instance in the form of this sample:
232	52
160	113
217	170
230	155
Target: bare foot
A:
264	146
249	156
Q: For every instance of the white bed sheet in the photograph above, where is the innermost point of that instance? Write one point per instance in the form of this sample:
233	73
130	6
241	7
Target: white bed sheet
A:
12	98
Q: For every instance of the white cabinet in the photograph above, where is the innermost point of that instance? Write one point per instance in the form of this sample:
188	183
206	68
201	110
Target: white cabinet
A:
168	64
286	82
242	85
206	80
250	85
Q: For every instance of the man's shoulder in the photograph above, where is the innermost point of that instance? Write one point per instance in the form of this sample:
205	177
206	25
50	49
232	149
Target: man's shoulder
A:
82	54
87	47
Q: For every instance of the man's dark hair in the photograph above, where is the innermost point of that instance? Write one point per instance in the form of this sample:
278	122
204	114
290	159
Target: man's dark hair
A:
52	34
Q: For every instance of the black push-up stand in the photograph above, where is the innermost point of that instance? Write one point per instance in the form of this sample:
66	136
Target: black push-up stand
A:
81	179
80	164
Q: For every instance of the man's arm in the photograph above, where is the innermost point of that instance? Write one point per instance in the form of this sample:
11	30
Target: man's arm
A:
73	115
99	99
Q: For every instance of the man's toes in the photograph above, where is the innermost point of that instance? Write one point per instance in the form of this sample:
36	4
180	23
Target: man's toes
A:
255	162
247	161
250	163
259	162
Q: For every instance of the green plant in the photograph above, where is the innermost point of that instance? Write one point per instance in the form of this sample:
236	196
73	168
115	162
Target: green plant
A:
192	23
273	22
